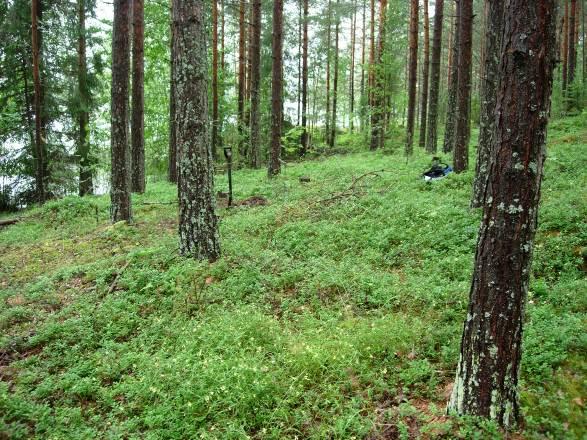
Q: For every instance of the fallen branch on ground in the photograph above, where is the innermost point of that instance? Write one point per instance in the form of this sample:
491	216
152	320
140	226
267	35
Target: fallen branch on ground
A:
351	191
115	282
10	221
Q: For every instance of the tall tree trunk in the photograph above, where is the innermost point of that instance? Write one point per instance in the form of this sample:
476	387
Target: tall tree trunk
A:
215	111
172	156
299	94
83	148
413	76
432	138
352	69
371	56
463	123
583	32
488	370
138	98
363	97
120	149
247	105
242	48
335	81
276	89
328	53
583	38
222	35
451	44
304	138
494	31
572	50
28	101
452	110
198	224
565	49
40	150
378	93
425	74
255	49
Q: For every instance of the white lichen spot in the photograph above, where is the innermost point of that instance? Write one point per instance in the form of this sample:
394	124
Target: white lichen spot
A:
512	209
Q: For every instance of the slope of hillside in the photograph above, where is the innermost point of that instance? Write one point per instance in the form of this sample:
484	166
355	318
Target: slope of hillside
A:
335	311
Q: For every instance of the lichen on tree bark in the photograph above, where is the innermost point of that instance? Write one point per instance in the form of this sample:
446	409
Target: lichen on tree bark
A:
198	224
486	381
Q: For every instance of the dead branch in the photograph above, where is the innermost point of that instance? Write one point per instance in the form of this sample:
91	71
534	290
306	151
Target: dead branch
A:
351	191
10	221
115	282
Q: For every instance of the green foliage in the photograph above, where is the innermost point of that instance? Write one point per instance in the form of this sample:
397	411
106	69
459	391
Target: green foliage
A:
333	313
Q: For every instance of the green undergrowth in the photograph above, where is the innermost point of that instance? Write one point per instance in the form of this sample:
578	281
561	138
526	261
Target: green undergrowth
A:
335	311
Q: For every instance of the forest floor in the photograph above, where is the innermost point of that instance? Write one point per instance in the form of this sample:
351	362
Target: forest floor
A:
335	311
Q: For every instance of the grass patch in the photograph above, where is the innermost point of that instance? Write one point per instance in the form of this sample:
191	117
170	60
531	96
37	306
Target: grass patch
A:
333	313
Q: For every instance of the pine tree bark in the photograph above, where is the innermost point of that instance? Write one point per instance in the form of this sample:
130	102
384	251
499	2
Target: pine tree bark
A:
352	68
494	31
222	36
120	148
488	370
242	48
299	94
215	111
332	139
138	98
572	40
565	49
584	44
371	56
452	110
378	92
432	124
198	224
425	76
172	173
328	54
255	49
412	76
83	148
463	122
363	97
304	138
572	48
276	89
40	150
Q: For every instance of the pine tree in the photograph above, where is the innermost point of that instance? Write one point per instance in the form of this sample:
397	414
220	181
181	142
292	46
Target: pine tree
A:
40	150
172	173
413	75
378	92
276	89
305	137
138	98
452	110
487	375
255	118
425	76
332	139
215	109
198	224
242	48
432	125
83	148
494	30
352	68
120	149
463	123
